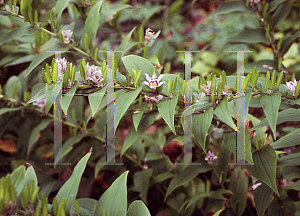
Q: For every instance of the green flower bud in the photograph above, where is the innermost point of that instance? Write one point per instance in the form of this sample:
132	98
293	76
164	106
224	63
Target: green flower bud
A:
128	79
96	54
220	88
247	79
52	22
37	211
140	100
297	89
54	206
273	79
134	75
84	63
169	87
36	18
200	82
279	79
279	43
77	206
138	76
183	88
213	89
34	195
60	37
174	84
73	69
82	70
265	10
66	77
224	78
86	41
254	80
267	83
279	62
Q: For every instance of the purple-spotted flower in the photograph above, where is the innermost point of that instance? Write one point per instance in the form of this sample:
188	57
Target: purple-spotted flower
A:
40	103
62	64
292	85
67	34
149	35
210	157
153	82
93	74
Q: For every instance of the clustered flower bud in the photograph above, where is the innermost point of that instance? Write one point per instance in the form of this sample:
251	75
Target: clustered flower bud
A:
67	34
93	74
62	64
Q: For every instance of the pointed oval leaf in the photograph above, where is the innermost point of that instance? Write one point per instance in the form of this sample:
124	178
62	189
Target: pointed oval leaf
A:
250	36
223	113
91	24
289	114
137	118
29	176
264	167
262	197
70	188
123	101
200	126
17	179
141	181
229	7
271	104
166	109
36	132
138	208
95	99
115	194
67	98
189	173
290	160
288	140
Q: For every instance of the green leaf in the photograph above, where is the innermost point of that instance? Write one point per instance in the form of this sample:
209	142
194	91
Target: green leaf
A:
67	147
229	7
9	88
239	187
58	9
141	181
115	194
286	115
41	57
154	60
264	167
291	139
138	63
136	118
95	99
290	160
70	188
123	46
281	12
6	110
271	104
123	101
223	113
86	206
218	212
67	98
166	109
138	208
16	34
91	24
29	176
36	132
133	135
248	95
262	197
286	43
200	125
250	36
17	179
188	174
293	185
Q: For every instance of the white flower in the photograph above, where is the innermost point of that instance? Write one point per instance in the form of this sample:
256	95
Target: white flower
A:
40	103
93	74
206	88
153	82
149	35
67	34
292	85
210	157
62	64
267	67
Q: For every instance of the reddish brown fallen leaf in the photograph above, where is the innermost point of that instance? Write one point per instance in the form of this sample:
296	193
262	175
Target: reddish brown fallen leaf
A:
8	146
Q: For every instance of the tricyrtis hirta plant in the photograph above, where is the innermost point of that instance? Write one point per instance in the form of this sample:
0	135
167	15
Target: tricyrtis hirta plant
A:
114	76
